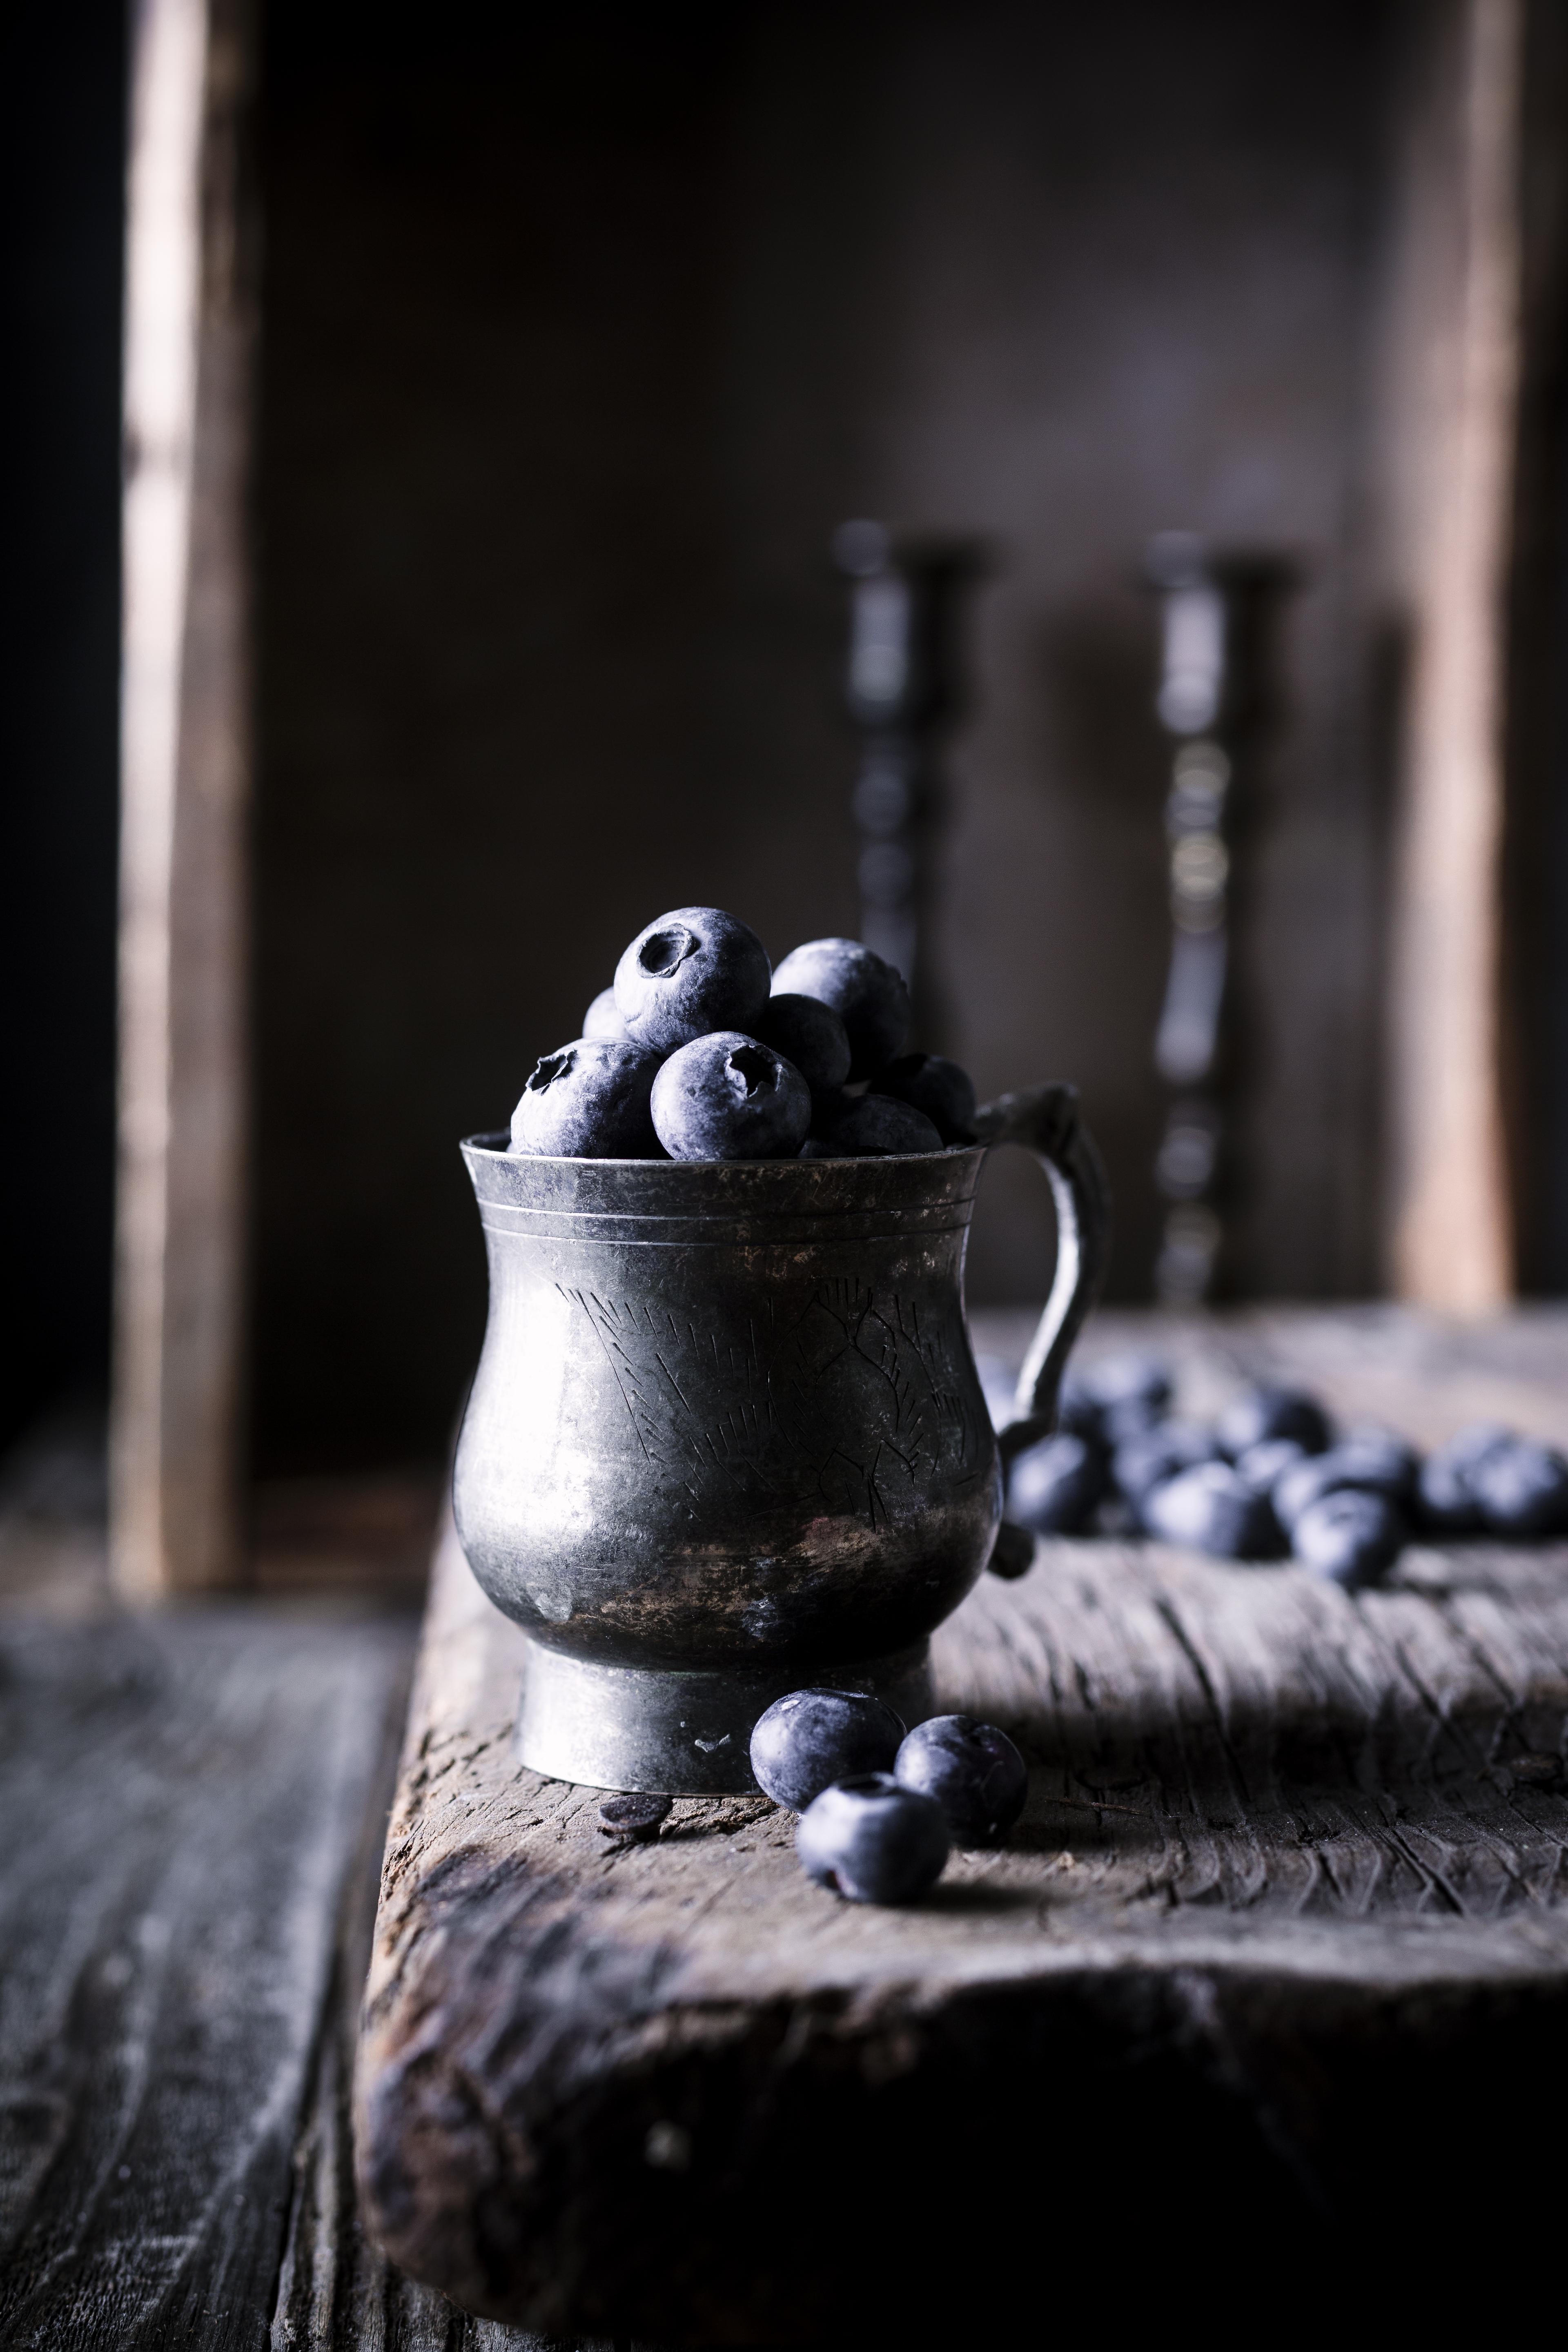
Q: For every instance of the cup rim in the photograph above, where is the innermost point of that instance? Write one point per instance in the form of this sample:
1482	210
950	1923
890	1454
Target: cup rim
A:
495	1144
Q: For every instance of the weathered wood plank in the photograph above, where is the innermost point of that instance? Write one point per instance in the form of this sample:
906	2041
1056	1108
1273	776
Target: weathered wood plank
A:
184	1798
1278	1917
179	1215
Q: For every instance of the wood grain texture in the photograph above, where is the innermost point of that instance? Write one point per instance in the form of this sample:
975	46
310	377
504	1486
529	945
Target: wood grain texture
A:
1281	1921
186	1799
180	1213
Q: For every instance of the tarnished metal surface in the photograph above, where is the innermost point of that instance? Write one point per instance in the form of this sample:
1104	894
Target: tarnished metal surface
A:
727	1431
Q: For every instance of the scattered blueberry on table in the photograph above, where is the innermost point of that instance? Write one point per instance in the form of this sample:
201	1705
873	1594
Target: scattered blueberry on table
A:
1349	1535
971	1770
805	1062
879	1807
872	1841
1264	1412
1269	1479
810	1738
1209	1506
1054	1486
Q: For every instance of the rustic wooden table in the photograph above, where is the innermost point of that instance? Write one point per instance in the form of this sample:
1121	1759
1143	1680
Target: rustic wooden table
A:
1276	1961
1280	1931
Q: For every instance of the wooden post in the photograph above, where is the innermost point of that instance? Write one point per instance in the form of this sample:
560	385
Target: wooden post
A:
1448	466
179	1277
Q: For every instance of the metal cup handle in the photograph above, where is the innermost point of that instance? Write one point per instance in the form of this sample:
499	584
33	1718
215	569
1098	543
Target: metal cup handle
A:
1045	1120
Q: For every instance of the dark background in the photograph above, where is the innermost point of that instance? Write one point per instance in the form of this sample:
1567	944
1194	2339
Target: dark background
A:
62	73
580	338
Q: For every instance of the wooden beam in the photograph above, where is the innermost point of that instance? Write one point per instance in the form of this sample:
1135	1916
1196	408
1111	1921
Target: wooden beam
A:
184	767
1447	464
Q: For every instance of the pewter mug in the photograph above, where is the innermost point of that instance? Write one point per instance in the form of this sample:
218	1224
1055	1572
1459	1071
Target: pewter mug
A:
727	1438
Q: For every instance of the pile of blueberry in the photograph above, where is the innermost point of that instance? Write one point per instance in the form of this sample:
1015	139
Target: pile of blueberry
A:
700	1051
1271	1477
880	1807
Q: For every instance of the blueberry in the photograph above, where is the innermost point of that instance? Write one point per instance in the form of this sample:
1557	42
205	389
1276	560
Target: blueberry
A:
1264	1413
1130	1394
971	1770
1141	1462
810	1034
871	1841
1262	1466
1522	1488
1445	1499
603	1018
728	1097
589	1101
867	995
1054	1485
1209	1507
1371	1461
868	1127
694	970
1349	1535
1129	1377
1077	1412
813	1736
929	1083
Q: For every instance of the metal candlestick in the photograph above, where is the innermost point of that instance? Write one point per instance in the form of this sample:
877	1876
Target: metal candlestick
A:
1191	704
1212	699
902	690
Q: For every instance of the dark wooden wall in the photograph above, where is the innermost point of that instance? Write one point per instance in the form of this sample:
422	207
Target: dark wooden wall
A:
581	337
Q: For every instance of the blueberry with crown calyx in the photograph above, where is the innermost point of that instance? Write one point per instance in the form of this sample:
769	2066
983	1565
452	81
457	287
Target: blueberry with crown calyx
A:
603	1018
873	1841
589	1101
727	1097
812	1736
868	996
694	970
810	1034
932	1083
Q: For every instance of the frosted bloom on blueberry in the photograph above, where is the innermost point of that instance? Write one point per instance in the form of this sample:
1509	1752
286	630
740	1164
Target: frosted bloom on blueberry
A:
694	970
727	1097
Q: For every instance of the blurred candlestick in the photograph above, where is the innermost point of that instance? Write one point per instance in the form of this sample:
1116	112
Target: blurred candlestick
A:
1211	699
1191	702
903	690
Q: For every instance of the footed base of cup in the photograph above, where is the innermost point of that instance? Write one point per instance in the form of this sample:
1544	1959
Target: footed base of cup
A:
670	1732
